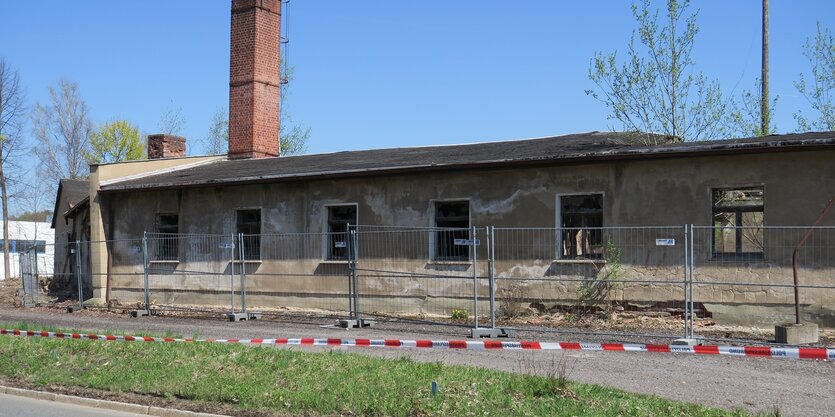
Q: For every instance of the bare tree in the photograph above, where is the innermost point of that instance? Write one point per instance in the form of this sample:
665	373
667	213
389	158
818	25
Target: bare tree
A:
172	121
63	131
657	90
217	140
820	90
12	111
292	136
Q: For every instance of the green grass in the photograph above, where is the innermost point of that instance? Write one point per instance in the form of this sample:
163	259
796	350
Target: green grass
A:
285	381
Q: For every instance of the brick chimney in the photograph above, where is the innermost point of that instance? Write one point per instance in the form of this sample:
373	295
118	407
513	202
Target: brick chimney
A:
254	79
166	146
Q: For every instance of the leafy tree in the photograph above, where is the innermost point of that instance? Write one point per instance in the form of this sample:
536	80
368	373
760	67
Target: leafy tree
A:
656	89
63	131
821	88
116	141
12	111
746	116
293	137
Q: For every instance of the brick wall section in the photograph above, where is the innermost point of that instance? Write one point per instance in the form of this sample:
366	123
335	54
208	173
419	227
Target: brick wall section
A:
254	79
166	146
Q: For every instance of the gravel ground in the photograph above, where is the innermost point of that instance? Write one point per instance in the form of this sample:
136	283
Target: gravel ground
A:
797	388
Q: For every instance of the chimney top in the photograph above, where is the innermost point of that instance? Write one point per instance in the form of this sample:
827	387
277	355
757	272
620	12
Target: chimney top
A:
166	146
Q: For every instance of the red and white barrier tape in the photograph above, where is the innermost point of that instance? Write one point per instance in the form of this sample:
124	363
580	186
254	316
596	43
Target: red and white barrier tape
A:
750	351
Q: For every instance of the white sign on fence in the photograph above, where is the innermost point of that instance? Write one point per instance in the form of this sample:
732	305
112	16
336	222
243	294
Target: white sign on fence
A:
665	242
226	246
340	244
468	242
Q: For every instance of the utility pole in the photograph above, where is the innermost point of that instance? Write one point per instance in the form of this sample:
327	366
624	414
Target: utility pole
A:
764	110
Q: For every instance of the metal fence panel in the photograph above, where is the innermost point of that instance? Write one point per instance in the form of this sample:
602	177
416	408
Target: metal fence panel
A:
545	278
29	276
192	272
745	276
296	273
428	274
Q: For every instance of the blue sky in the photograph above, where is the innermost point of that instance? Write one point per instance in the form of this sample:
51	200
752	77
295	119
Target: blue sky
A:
372	74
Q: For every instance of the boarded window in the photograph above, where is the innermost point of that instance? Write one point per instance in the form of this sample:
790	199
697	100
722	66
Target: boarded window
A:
452	220
738	222
581	220
339	217
167	245
248	223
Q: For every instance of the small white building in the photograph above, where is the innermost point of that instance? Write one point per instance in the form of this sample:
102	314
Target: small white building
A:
24	235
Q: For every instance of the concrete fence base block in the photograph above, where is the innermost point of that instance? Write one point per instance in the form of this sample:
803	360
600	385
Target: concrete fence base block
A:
796	334
685	342
237	316
480	333
140	313
356	324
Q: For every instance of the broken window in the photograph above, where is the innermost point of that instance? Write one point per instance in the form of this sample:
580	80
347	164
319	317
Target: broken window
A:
248	223
167	245
452	220
581	220
738	222
339	217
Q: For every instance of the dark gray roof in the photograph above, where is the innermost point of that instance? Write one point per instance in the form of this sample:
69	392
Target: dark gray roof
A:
73	191
559	149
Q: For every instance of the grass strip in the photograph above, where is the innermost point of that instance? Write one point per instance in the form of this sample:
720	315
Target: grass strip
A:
280	381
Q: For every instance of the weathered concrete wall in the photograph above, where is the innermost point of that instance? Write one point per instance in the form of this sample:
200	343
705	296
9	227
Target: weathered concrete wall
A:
635	193
100	219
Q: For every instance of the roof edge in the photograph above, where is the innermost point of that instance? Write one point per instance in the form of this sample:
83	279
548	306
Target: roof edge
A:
665	151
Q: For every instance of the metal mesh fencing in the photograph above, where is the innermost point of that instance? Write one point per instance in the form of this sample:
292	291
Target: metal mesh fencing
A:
427	274
29	276
548	278
301	273
569	280
191	272
746	276
43	284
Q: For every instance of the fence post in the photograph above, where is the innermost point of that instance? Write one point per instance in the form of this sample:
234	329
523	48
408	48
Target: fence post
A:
353	287
232	277
350	248
491	259
78	276
242	253
474	250
687	316
145	265
37	274
692	279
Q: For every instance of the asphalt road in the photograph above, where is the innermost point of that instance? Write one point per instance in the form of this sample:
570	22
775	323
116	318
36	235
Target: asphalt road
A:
796	387
14	406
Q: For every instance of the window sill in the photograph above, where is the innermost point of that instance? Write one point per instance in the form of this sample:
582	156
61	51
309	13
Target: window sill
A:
449	262
737	258
334	261
248	261
580	261
173	262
